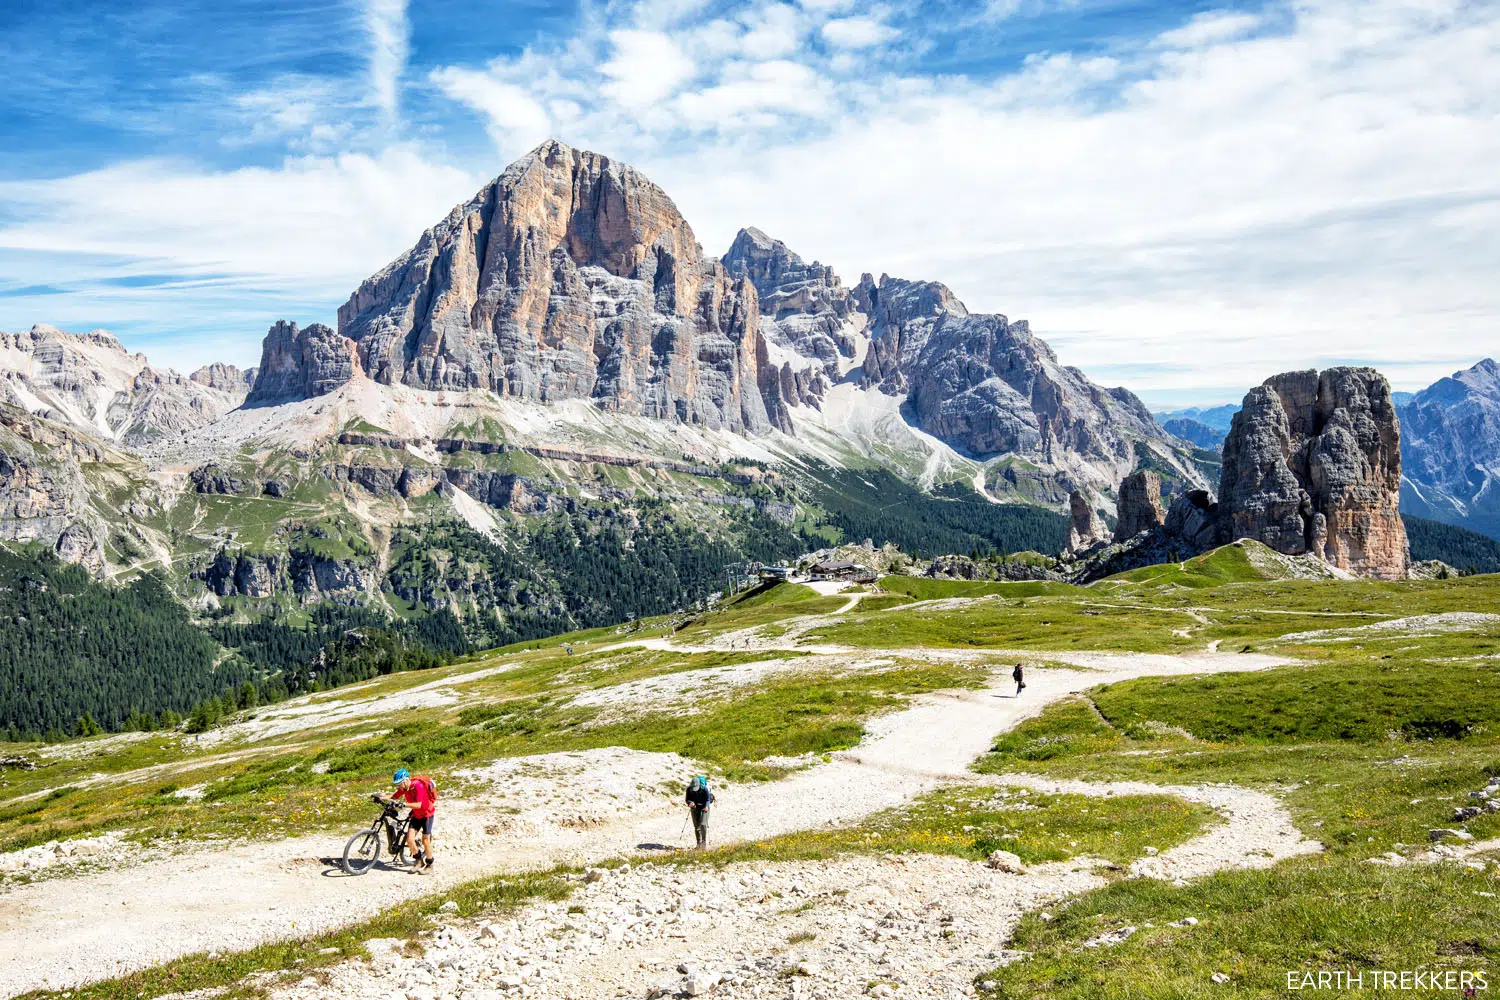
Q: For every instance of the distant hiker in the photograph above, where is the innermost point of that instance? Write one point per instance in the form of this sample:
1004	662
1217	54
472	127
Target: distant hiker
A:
1019	677
421	794
699	798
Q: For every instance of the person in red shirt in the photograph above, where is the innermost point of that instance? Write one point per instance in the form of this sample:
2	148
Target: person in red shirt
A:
421	795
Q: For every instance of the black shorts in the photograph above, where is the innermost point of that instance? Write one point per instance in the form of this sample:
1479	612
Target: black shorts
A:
423	826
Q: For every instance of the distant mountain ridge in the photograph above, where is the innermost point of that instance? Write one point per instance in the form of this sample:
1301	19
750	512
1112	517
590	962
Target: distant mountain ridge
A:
1450	449
88	380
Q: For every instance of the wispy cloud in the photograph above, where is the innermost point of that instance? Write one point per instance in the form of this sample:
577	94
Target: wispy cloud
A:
390	43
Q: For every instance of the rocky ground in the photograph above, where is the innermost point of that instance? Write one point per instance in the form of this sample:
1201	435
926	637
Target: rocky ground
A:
909	926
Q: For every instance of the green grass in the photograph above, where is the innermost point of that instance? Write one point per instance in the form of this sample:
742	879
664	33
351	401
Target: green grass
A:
1370	743
972	821
1399	693
1040	623
927	589
1227	564
1256	926
761	606
519	712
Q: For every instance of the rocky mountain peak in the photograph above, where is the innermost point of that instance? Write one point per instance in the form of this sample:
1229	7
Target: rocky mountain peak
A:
88	380
571	275
809	320
785	283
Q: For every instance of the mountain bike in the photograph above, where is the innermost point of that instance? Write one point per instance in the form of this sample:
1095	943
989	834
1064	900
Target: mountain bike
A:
389	831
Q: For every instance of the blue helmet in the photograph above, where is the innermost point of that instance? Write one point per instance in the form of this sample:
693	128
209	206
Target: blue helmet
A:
400	776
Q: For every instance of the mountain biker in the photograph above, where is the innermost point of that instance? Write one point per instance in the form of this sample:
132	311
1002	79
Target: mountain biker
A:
418	793
699	798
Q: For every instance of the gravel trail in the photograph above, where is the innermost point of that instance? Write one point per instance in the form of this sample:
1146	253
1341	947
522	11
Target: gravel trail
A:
235	897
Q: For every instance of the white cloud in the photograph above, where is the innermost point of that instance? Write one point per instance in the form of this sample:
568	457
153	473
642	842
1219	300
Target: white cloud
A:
516	119
1208	28
646	67
773	31
309	114
857	33
390	42
310	228
756	94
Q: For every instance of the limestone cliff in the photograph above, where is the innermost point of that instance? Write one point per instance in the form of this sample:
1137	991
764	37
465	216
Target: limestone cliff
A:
1140	507
569	276
1312	464
809	320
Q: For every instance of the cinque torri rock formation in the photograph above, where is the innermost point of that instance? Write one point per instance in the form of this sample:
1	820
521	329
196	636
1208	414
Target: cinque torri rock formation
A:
1312	464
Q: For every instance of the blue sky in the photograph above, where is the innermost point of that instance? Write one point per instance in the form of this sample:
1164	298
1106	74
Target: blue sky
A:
1182	197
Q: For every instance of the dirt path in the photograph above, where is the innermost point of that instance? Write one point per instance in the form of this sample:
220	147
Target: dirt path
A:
923	925
236	897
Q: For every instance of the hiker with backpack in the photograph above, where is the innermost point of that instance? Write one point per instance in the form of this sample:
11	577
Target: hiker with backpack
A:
420	793
698	799
1017	676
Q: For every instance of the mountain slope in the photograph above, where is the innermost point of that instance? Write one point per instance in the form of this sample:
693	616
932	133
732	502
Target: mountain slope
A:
1465	550
555	411
1450	450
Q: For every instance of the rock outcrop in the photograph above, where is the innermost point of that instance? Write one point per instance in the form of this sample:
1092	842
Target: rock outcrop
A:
570	276
302	573
1194	517
43	494
1450	450
1085	528
1139	504
808	319
1312	464
214	479
300	363
78	544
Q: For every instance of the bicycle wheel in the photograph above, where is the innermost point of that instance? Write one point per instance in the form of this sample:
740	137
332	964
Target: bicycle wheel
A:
399	850
361	853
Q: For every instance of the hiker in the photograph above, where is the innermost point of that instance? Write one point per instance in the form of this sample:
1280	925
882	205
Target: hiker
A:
1019	678
699	798
421	794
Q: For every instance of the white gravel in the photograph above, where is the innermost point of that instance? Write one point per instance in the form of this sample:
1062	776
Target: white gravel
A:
683	689
1416	625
